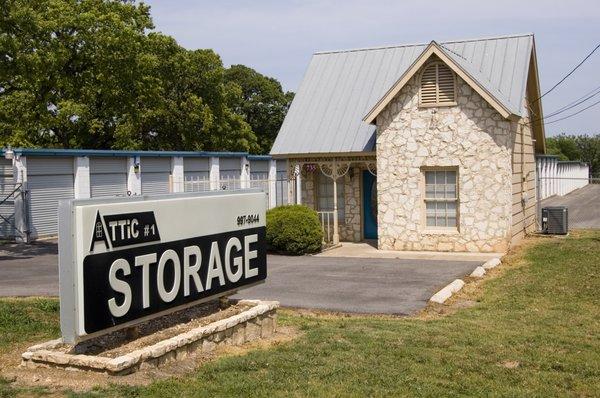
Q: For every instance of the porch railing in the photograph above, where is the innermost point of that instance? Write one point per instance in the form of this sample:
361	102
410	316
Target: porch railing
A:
326	218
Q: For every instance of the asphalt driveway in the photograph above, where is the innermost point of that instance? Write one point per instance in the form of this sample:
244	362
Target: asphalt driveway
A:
363	285
583	204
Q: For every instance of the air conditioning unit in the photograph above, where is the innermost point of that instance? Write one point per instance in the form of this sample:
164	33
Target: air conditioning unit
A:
555	220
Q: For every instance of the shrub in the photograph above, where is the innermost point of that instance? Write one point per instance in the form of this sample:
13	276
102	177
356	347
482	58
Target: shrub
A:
294	229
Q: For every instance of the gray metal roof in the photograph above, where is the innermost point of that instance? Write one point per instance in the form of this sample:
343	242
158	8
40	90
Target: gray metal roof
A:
340	88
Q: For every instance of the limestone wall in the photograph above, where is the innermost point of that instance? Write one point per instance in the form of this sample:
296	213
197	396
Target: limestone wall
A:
471	137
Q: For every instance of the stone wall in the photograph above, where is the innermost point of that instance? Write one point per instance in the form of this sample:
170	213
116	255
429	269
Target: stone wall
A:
471	137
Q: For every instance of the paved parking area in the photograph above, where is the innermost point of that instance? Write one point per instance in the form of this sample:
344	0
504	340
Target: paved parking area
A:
360	285
583	205
363	285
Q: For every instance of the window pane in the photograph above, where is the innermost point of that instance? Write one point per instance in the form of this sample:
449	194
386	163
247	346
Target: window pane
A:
430	191
451	222
450	191
440	177
430	208
430	177
431	221
451	209
451	177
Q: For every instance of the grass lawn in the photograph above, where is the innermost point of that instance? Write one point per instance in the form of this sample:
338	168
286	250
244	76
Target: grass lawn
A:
531	328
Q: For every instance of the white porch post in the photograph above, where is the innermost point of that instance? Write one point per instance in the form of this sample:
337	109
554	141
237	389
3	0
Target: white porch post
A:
298	184
336	233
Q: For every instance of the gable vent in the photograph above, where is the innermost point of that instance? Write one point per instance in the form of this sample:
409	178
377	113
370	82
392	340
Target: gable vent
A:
437	85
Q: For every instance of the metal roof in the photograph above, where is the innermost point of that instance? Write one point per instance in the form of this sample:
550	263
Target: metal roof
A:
340	87
125	153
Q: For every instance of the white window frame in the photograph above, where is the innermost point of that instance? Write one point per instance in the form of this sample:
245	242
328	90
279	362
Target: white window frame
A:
427	198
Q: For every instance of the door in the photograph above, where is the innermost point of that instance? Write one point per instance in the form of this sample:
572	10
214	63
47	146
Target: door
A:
155	175
108	176
49	179
369	205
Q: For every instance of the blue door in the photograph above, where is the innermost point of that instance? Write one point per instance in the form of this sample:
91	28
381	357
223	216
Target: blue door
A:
370	205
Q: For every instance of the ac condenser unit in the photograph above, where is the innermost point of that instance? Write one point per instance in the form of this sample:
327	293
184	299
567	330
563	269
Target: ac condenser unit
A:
555	220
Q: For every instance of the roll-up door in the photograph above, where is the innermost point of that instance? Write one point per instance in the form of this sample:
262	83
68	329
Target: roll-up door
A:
196	174
49	179
7	208
108	176
155	175
229	173
259	174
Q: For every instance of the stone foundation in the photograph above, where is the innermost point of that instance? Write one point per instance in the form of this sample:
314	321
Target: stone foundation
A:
255	323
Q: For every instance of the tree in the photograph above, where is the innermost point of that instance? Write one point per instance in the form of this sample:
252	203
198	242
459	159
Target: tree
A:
583	148
93	74
263	103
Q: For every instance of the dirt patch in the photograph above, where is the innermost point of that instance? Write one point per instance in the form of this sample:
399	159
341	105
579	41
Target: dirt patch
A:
57	380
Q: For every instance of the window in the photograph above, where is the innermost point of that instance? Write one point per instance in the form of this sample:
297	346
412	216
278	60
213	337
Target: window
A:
437	85
441	198
325	195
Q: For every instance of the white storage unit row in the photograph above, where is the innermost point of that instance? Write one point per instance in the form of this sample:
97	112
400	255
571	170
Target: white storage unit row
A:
7	208
155	175
108	176
49	179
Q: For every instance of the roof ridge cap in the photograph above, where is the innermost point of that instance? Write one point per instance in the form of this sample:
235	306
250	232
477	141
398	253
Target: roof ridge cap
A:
421	44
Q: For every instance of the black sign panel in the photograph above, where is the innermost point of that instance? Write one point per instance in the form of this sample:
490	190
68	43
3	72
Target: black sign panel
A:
125	285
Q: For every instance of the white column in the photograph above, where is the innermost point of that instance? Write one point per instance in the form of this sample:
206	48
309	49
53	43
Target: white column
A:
82	177
177	176
20	177
213	173
134	176
19	169
272	183
244	173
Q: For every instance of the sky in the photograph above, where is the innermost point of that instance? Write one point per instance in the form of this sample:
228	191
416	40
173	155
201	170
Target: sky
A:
277	38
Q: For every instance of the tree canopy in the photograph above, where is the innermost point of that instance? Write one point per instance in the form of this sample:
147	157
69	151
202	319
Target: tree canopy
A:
94	74
583	148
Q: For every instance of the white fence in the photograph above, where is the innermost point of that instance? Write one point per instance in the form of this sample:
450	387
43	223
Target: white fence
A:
560	178
279	191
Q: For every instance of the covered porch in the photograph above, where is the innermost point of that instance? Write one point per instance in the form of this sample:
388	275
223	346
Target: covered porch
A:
343	191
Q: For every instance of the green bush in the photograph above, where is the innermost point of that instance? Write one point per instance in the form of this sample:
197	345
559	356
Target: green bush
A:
294	229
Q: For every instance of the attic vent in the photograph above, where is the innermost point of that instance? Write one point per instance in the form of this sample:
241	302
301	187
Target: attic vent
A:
437	85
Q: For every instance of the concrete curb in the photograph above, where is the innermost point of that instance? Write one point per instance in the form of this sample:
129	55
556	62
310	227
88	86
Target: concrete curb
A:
493	263
444	294
478	272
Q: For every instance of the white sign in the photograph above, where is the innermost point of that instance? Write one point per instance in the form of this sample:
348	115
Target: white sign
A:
126	260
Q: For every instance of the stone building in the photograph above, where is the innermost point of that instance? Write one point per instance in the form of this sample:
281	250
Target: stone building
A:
422	147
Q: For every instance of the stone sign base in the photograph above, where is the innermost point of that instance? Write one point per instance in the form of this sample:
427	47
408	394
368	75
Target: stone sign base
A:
259	321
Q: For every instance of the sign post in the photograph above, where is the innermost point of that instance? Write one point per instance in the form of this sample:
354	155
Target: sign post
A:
126	260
